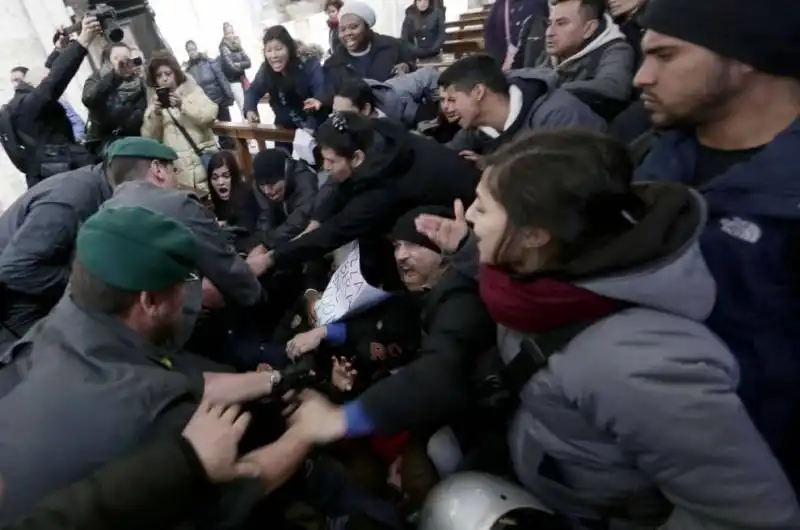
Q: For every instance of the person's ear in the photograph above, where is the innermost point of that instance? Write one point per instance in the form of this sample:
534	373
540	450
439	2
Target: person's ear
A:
156	175
479	92
535	238
358	158
149	303
590	28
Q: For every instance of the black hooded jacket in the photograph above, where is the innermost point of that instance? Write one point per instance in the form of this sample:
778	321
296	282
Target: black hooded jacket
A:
42	123
401	171
386	53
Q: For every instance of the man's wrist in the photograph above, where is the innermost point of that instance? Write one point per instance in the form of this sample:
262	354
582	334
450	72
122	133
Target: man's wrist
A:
84	41
271	378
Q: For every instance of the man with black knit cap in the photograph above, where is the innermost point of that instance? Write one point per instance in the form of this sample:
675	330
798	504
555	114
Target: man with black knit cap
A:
432	390
285	193
724	76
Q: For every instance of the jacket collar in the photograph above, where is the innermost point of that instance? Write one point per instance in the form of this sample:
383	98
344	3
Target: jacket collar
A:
766	185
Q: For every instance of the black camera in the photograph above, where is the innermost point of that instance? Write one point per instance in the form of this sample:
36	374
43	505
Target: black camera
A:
297	376
107	17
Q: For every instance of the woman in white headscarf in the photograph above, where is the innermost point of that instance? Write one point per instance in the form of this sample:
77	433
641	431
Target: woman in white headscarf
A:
364	53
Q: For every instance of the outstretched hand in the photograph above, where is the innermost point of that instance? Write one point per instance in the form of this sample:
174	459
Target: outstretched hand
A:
318	419
214	432
445	233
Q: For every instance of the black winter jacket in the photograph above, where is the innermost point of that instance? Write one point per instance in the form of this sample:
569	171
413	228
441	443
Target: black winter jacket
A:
385	54
38	117
277	222
436	387
112	114
402	171
157	488
234	61
424	31
208	74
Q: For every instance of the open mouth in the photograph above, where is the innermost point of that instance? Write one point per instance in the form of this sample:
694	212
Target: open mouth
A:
223	192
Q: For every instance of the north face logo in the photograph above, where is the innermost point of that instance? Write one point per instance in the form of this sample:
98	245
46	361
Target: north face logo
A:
741	229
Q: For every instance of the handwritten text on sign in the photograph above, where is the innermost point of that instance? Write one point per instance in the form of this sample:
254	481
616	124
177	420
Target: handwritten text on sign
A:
347	293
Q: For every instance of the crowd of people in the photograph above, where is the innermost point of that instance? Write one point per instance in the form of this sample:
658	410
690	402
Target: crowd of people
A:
551	286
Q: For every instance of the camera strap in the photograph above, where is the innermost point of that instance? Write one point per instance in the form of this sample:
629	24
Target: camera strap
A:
186	135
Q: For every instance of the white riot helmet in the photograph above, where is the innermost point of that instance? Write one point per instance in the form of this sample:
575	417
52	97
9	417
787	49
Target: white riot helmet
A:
479	501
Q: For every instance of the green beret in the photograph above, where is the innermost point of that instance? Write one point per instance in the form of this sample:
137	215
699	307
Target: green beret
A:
136	249
140	147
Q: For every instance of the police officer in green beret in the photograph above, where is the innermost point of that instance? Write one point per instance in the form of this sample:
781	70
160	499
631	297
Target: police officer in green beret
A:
37	232
94	380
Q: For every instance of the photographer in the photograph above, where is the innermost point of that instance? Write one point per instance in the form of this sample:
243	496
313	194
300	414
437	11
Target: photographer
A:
115	97
45	140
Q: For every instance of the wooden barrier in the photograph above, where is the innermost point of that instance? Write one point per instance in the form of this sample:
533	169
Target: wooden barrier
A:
465	33
460	48
242	133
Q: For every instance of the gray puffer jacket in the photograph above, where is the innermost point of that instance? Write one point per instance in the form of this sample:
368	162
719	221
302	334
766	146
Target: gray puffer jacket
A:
400	97
636	421
208	74
603	68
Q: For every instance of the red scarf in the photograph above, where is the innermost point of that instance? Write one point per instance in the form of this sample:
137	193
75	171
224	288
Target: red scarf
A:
333	24
539	305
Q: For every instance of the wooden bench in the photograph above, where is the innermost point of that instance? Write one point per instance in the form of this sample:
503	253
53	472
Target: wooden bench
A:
459	48
470	33
461	25
474	18
242	133
436	65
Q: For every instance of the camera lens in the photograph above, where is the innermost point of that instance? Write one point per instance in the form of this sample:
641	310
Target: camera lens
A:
115	34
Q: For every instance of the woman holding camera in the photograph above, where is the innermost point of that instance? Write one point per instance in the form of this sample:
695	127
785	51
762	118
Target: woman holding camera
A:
180	115
115	97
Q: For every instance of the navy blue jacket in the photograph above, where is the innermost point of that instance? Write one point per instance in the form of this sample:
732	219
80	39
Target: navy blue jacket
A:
751	247
288	108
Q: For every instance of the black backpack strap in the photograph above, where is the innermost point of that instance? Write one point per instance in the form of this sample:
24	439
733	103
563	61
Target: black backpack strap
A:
534	355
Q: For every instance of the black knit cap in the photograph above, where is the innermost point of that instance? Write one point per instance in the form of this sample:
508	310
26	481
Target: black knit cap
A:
405	228
269	166
762	33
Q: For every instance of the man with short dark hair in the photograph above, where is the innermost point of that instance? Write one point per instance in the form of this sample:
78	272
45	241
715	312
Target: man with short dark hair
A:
721	79
493	108
43	137
589	53
37	232
226	275
18	74
95	378
407	98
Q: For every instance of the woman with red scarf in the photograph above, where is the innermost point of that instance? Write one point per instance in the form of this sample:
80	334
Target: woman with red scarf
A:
628	415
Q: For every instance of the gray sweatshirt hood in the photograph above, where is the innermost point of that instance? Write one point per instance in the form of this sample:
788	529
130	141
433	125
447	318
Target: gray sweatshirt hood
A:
678	281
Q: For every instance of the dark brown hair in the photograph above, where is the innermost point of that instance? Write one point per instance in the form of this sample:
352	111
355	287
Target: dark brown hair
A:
335	3
573	183
159	59
228	159
93	294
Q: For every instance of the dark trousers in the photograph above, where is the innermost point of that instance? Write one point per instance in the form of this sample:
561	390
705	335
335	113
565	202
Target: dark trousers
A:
224	114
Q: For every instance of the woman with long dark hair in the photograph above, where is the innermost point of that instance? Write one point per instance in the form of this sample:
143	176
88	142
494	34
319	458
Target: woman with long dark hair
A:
295	87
